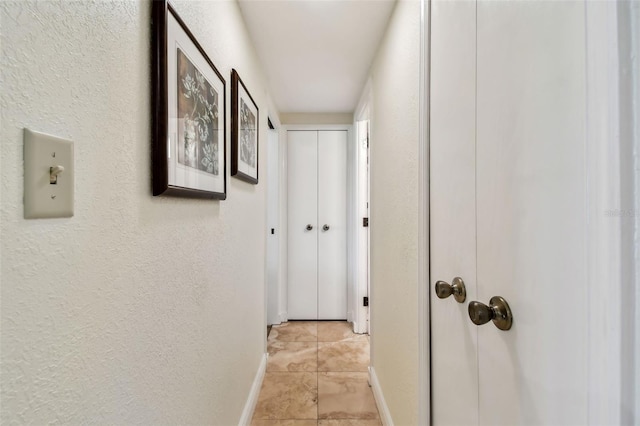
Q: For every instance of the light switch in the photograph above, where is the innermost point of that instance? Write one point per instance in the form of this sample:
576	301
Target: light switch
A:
48	176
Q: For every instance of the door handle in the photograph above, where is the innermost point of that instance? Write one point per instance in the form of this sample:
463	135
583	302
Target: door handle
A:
325	227
309	227
444	289
498	311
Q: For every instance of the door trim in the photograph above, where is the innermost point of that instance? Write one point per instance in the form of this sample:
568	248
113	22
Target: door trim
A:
363	112
613	376
273	241
602	237
424	313
273	116
629	26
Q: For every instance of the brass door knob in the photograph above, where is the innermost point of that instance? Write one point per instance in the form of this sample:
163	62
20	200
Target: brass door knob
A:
498	311
456	288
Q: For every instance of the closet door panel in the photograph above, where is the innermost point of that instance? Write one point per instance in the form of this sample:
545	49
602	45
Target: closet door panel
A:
302	211
454	338
531	198
332	242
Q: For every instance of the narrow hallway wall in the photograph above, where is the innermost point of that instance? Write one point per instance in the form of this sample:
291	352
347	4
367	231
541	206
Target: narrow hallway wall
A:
394	213
139	309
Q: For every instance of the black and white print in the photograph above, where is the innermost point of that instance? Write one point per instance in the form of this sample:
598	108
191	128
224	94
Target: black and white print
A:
198	123
247	135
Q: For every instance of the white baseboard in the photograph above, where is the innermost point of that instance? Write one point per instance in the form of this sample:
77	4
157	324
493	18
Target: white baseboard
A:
385	415
283	317
252	399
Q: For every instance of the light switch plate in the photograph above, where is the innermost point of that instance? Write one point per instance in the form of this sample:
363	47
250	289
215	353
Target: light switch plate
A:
43	199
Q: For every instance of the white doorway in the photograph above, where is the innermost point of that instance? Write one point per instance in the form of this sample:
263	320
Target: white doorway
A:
361	227
273	226
360	214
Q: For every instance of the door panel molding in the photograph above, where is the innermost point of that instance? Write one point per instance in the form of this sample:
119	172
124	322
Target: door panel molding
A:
424	334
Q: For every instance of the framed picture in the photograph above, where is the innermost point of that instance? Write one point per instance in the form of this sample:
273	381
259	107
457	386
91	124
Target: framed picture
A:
244	132
188	101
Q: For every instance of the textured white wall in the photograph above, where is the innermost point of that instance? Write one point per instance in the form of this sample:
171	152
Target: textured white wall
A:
394	212
138	309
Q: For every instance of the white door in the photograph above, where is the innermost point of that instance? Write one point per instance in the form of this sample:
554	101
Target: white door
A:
317	178
302	163
453	220
332	225
507	211
531	193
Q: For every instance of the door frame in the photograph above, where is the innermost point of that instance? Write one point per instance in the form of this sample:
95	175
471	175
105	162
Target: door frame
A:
630	131
424	272
272	114
614	208
603	234
284	214
361	268
611	256
273	288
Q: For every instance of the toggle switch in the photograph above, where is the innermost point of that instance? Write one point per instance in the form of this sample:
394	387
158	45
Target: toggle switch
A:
48	176
53	174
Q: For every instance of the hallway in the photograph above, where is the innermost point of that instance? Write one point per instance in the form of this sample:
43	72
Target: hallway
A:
490	144
316	374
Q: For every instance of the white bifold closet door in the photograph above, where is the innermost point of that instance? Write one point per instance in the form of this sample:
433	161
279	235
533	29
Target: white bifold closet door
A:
317	237
508	192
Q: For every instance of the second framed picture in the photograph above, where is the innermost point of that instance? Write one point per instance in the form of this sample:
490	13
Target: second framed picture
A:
244	132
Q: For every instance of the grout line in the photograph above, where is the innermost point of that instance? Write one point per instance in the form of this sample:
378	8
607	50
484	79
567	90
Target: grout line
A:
317	370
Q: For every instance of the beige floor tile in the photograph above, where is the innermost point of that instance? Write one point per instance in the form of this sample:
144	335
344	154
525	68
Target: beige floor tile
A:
349	422
343	356
292	356
335	331
284	422
288	396
295	331
345	396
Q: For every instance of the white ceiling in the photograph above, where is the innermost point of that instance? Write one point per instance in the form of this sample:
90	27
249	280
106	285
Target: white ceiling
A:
316	53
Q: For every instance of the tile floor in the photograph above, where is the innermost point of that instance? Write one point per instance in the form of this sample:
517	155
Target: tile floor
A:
316	375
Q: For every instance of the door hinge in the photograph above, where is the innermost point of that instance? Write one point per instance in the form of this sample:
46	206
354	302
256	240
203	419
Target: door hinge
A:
365	301
365	222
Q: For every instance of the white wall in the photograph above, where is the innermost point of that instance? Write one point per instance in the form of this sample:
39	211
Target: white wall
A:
139	309
394	212
319	118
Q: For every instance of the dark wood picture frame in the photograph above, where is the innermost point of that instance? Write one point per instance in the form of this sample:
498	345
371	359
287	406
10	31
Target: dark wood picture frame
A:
208	137
241	169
